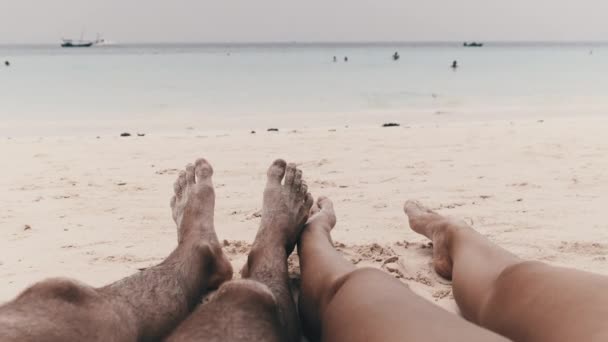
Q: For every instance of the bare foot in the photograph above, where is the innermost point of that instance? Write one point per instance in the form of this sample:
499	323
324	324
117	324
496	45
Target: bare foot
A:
193	207
286	207
438	229
322	215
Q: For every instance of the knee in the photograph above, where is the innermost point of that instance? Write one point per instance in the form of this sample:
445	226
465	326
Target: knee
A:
366	276
245	291
514	283
65	290
518	273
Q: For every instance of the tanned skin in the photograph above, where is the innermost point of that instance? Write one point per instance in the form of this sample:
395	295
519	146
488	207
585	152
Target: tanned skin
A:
339	302
522	300
143	307
498	293
260	307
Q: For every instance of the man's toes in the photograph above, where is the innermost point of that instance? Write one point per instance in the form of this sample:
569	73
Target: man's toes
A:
290	174
303	189
190	178
179	184
203	170
276	171
309	202
297	181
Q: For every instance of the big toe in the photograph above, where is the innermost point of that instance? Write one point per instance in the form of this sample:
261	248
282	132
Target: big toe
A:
414	208
203	170
276	171
420	217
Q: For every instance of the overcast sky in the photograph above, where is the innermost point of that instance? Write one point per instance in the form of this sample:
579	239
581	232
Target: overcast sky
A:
46	21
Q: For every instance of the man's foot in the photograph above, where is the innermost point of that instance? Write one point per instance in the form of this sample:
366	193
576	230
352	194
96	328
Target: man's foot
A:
193	207
438	229
286	207
322	216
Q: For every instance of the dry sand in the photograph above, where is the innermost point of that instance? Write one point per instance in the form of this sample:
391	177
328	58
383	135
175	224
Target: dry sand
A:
98	209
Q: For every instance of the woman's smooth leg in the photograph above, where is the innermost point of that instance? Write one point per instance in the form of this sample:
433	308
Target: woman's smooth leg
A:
339	302
523	300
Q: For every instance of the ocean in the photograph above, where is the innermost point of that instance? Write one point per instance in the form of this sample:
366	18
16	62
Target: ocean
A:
48	89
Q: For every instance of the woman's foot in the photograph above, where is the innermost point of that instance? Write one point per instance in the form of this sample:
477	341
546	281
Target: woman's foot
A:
438	229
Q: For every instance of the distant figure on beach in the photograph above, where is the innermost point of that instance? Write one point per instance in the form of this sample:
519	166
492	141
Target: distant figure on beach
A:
396	56
335	59
455	65
7	63
346	58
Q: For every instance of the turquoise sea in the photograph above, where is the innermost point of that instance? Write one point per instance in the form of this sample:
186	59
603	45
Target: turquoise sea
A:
253	85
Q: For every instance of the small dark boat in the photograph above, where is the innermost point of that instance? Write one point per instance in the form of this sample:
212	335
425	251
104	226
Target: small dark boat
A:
472	44
69	43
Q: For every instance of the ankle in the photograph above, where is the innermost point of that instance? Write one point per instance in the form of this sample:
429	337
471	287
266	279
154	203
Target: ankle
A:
317	231
263	254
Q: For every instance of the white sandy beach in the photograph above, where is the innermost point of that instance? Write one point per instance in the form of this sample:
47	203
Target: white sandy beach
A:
98	209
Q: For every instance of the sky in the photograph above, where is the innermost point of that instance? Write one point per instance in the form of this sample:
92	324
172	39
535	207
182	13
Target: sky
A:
128	21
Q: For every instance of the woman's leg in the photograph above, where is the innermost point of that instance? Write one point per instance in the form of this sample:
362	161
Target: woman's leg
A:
339	302
525	301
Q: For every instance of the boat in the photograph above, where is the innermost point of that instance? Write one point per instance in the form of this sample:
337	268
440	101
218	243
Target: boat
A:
70	43
472	44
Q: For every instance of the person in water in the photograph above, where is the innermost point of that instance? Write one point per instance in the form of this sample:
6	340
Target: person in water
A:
7	63
335	59
500	296
346	58
455	65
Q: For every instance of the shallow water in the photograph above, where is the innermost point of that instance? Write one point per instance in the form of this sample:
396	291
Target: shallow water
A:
227	85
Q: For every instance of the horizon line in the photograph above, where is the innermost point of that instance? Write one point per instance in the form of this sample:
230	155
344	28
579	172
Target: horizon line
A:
325	42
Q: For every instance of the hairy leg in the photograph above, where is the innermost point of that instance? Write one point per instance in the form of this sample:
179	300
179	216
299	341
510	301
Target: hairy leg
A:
339	302
525	301
145	306
260	307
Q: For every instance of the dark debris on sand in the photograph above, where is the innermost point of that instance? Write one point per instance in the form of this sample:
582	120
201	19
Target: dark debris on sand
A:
391	124
273	130
125	134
